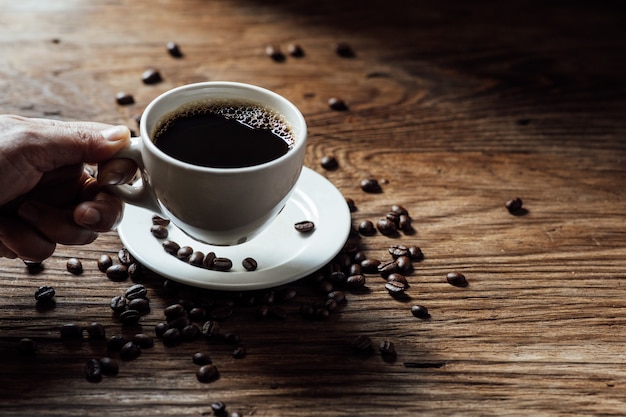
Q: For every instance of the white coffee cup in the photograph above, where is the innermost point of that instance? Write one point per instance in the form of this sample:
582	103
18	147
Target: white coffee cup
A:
219	206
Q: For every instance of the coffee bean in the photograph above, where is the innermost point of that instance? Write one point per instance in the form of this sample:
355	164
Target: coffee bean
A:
415	253
27	347
115	343
142	305
361	343
337	278
398	278
239	352
184	252
386	268
143	340
74	266
130	351
404	264
174	311
44	293
190	332
395	288
457	279
96	331
222	264
136	291
160	221
420	311
201	358
386	227
344	50
387	348
179	322
93	370
295	50
174	50
370	266
393	217
514	205
151	76
160	328
135	271
207	373
337	104
399	210
208	260
351	205
404	223
198	314
117	272
329	163
171	247
218	408
129	317
249	264
305	226
124	99
354	269
355	281
125	257
171	337
196	258
108	366
104	262
366	228
158	231
34	268
71	331
274	52
398	250
371	185
210	329
118	303
338	296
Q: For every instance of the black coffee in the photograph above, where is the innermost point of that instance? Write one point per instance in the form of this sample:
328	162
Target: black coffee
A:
220	134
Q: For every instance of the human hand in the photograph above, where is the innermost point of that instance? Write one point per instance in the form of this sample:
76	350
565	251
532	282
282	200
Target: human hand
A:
46	196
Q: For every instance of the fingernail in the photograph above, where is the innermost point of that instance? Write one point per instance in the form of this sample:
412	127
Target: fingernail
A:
115	133
90	217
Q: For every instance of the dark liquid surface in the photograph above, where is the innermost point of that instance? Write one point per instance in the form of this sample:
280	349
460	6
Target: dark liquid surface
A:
212	140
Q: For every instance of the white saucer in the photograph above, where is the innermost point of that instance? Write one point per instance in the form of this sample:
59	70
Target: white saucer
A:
282	253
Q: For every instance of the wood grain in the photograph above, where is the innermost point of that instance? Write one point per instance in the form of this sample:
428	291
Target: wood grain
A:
455	108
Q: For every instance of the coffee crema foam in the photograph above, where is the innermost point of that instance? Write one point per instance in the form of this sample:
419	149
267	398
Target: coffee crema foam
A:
248	113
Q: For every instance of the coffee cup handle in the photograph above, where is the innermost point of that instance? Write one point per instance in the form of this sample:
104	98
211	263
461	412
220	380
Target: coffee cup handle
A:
138	194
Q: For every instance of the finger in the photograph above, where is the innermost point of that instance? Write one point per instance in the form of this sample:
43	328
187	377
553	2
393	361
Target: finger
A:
116	171
101	214
6	252
21	240
57	225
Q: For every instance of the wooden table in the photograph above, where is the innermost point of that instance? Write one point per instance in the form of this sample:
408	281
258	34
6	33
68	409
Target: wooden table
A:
454	108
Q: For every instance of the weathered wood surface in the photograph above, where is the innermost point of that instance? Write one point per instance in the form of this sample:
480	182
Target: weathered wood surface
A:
459	107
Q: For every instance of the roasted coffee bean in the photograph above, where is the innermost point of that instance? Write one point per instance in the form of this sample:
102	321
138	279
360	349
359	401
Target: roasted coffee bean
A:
115	343
158	231
344	50
370	266
404	223
398	250
44	293
118	303
514	205
124	256
174	50
222	264
295	50
367	228
151	76
371	185
305	226
160	221
393	217
329	163
93	370
190	332
338	296
337	104
108	366
174	311
211	328
208	260
404	264
415	253
104	262
395	288
74	266
387	348
386	227
198	314
274	52
143	340
96	331
201	358
27	347
179	322
358	257
171	247
171	337
136	291
196	258
249	264
129	317
135	271
71	331
218	408
184	252
207	373
399	210
355	281
337	278
351	205
386	268
130	351
221	312
142	305
361	343
33	268
457	279
354	269
124	99
330	304
239	352
117	272
420	311
160	328
398	278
